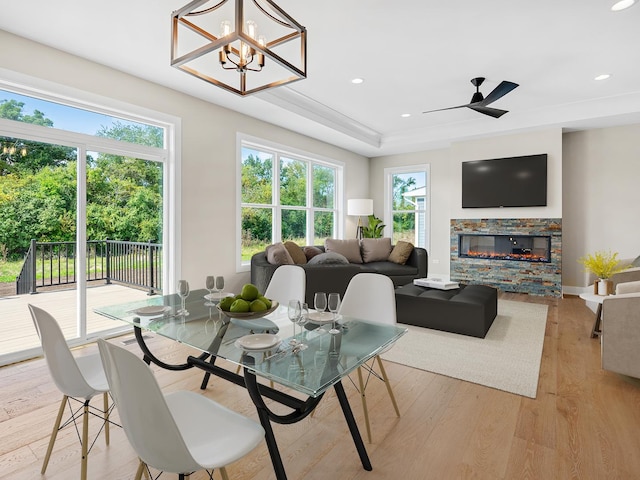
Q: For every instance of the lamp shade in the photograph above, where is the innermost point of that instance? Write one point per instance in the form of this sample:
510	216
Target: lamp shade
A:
360	206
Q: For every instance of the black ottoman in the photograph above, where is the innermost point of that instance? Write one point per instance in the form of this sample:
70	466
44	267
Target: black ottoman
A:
468	310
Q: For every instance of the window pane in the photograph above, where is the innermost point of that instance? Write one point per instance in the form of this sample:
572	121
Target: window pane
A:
124	205
256	230
323	226
293	182
404	227
257	176
324	186
23	108
406	187
38	201
294	226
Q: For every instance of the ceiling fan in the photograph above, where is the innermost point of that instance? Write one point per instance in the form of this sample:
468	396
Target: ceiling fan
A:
479	102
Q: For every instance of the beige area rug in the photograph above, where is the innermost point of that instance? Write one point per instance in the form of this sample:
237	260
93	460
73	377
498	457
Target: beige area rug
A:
508	358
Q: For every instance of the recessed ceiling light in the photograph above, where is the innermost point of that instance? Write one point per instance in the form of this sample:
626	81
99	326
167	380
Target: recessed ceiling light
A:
357	80
622	4
405	115
604	76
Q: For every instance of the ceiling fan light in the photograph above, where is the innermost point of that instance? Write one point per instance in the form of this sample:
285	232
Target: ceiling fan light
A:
622	5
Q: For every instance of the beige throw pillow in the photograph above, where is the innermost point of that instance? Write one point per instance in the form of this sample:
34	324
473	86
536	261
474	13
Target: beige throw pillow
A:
296	252
375	249
277	254
350	248
400	253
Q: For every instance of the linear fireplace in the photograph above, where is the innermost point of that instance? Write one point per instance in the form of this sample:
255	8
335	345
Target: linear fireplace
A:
537	249
524	248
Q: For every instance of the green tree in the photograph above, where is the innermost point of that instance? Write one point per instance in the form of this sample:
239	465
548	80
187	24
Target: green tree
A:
25	157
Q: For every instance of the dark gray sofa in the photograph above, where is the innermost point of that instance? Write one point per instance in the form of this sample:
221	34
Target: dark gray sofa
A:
335	278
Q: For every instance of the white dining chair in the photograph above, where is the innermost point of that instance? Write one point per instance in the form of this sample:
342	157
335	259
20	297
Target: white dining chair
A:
79	379
371	297
180	432
287	283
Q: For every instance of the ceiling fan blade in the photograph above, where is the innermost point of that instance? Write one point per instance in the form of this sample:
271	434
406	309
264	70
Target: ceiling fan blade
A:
492	112
499	92
450	108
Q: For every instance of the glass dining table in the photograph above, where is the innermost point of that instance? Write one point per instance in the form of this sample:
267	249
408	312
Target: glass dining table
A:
309	362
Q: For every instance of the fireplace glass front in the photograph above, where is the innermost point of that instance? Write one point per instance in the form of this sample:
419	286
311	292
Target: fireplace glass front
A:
527	248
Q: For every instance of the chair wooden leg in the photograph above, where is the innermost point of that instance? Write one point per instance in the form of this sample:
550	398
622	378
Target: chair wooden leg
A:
386	382
364	404
85	440
223	472
106	417
141	468
54	434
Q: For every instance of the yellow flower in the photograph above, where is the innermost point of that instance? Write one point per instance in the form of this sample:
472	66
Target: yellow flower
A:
602	264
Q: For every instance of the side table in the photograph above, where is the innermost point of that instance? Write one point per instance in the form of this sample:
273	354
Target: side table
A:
592	297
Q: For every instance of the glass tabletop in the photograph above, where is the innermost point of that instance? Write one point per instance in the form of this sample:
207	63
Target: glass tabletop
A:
325	360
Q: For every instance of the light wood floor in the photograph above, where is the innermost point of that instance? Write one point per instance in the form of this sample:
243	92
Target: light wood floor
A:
584	423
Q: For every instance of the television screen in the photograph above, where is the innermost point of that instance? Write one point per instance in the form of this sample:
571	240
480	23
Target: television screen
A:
505	182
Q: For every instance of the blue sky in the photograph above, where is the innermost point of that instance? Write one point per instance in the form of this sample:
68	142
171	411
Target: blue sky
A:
64	117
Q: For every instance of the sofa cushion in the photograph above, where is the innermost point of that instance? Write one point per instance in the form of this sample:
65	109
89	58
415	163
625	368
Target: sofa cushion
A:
375	249
296	252
311	252
389	269
328	258
277	254
350	248
401	252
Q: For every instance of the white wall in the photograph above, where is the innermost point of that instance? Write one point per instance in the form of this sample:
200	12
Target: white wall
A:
446	172
547	141
208	212
601	190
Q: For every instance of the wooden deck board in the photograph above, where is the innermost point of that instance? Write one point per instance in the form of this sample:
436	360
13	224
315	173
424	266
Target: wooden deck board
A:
18	332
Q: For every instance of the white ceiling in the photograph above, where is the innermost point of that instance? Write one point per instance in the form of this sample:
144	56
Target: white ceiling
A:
414	55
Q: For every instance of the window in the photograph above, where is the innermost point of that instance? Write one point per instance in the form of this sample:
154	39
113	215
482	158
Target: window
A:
285	196
407	204
75	178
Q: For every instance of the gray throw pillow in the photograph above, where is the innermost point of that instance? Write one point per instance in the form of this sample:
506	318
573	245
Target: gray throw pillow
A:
328	258
350	248
311	252
636	262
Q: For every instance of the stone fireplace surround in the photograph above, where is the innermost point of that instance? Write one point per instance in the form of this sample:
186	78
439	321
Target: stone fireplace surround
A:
535	278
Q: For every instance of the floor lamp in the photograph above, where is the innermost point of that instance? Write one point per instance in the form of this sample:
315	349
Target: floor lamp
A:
359	207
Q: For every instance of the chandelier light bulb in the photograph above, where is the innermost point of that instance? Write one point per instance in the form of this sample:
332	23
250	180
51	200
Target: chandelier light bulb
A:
225	28
251	29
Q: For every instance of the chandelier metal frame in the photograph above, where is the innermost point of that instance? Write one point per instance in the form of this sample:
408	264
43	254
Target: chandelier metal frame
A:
259	52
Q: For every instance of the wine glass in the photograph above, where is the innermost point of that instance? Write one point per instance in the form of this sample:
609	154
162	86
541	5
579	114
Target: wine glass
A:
303	319
320	301
210	284
183	292
294	314
220	285
334	306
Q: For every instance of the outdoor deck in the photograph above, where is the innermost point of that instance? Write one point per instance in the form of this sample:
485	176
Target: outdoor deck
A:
18	332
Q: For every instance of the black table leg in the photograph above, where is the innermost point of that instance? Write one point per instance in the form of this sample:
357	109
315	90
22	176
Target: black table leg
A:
272	445
353	427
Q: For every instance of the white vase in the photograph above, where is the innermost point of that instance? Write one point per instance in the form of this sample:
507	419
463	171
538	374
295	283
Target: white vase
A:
602	286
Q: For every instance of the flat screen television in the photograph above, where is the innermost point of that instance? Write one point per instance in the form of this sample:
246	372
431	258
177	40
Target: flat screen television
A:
505	182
